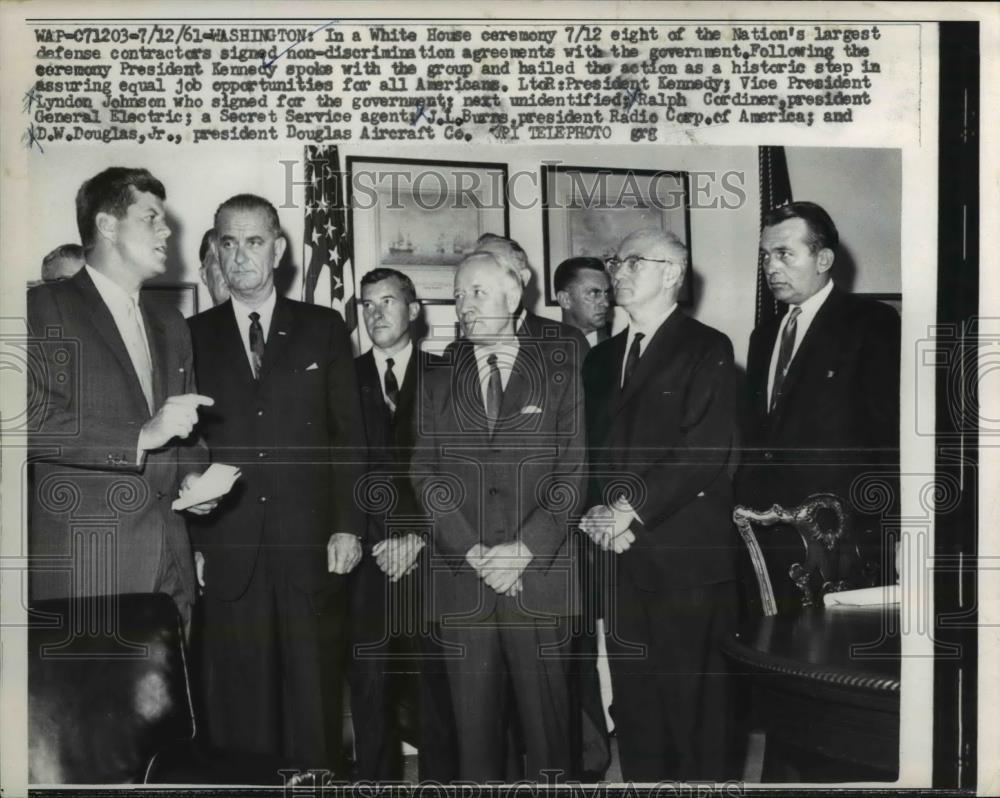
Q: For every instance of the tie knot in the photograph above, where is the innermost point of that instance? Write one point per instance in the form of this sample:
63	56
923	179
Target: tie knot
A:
255	317
390	362
793	314
640	336
492	359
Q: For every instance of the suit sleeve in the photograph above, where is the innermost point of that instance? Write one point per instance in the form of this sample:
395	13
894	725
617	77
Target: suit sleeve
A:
348	446
452	534
559	481
879	388
105	442
707	430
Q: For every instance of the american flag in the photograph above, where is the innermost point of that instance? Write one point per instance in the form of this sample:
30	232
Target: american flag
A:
775	191
329	276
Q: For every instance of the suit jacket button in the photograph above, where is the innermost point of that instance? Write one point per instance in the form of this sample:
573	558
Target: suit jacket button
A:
260	411
261	455
768	456
493	491
160	495
262	499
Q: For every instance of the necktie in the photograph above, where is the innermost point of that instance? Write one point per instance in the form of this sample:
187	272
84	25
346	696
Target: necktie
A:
391	386
784	354
633	358
494	393
256	344
135	343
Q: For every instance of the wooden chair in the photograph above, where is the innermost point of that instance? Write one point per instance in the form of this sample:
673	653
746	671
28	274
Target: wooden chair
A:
808	551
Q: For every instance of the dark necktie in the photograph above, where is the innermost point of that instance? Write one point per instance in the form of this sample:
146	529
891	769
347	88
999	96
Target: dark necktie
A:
494	393
633	358
256	344
784	354
391	386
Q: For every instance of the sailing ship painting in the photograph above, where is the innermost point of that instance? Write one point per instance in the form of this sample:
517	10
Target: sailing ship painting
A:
414	236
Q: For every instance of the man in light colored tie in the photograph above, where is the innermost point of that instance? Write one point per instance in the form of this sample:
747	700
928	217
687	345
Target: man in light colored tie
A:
116	408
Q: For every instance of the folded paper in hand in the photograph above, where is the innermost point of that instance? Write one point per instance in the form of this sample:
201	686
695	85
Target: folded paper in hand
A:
865	597
215	483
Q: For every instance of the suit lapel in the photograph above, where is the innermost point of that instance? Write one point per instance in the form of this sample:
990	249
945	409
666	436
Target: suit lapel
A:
467	392
518	393
817	332
230	341
656	350
407	390
279	336
760	368
104	322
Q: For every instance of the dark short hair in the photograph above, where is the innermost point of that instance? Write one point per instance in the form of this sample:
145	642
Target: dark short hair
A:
405	283
206	243
250	202
111	191
569	270
822	231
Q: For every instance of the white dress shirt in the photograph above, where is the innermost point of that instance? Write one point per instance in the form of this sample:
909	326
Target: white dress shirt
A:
648	330
400	361
242	313
808	309
506	352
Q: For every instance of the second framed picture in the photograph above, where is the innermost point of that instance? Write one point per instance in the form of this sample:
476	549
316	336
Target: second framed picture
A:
422	217
589	210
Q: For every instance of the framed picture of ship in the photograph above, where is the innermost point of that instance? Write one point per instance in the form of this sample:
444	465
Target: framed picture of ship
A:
422	217
589	210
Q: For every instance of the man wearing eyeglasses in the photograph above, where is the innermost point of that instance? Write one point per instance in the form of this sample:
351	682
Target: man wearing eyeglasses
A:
660	420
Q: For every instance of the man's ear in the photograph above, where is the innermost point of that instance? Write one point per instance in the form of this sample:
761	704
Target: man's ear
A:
824	260
562	297
106	224
279	250
525	274
414	311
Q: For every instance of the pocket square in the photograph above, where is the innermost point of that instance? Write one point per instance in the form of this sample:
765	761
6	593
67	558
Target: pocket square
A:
312	367
527	409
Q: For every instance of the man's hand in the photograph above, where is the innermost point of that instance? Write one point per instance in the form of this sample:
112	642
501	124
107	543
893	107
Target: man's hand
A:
199	570
398	556
175	419
197	509
608	527
504	565
476	558
343	552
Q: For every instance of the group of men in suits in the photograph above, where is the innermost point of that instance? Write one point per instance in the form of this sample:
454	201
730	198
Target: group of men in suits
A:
432	513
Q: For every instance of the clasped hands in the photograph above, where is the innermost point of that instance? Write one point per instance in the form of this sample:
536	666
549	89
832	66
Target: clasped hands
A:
397	556
500	566
608	526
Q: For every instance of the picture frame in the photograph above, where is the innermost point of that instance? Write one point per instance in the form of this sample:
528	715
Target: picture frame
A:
588	210
422	217
179	296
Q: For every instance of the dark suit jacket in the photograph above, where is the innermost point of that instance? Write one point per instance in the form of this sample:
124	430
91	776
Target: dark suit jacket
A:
669	436
838	416
87	409
390	438
523	483
298	436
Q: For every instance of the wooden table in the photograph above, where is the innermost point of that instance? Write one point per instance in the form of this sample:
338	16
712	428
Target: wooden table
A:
825	688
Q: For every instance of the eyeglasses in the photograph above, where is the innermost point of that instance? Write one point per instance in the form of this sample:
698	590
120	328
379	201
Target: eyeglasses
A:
631	263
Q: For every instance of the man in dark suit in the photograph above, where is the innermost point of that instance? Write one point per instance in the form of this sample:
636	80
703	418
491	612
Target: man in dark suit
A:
499	464
113	409
583	291
823	383
660	420
391	636
275	554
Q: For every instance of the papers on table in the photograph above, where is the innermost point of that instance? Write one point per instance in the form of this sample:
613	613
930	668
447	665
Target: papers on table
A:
215	483
865	597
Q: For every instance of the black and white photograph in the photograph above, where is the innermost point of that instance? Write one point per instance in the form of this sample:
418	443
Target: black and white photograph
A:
494	400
